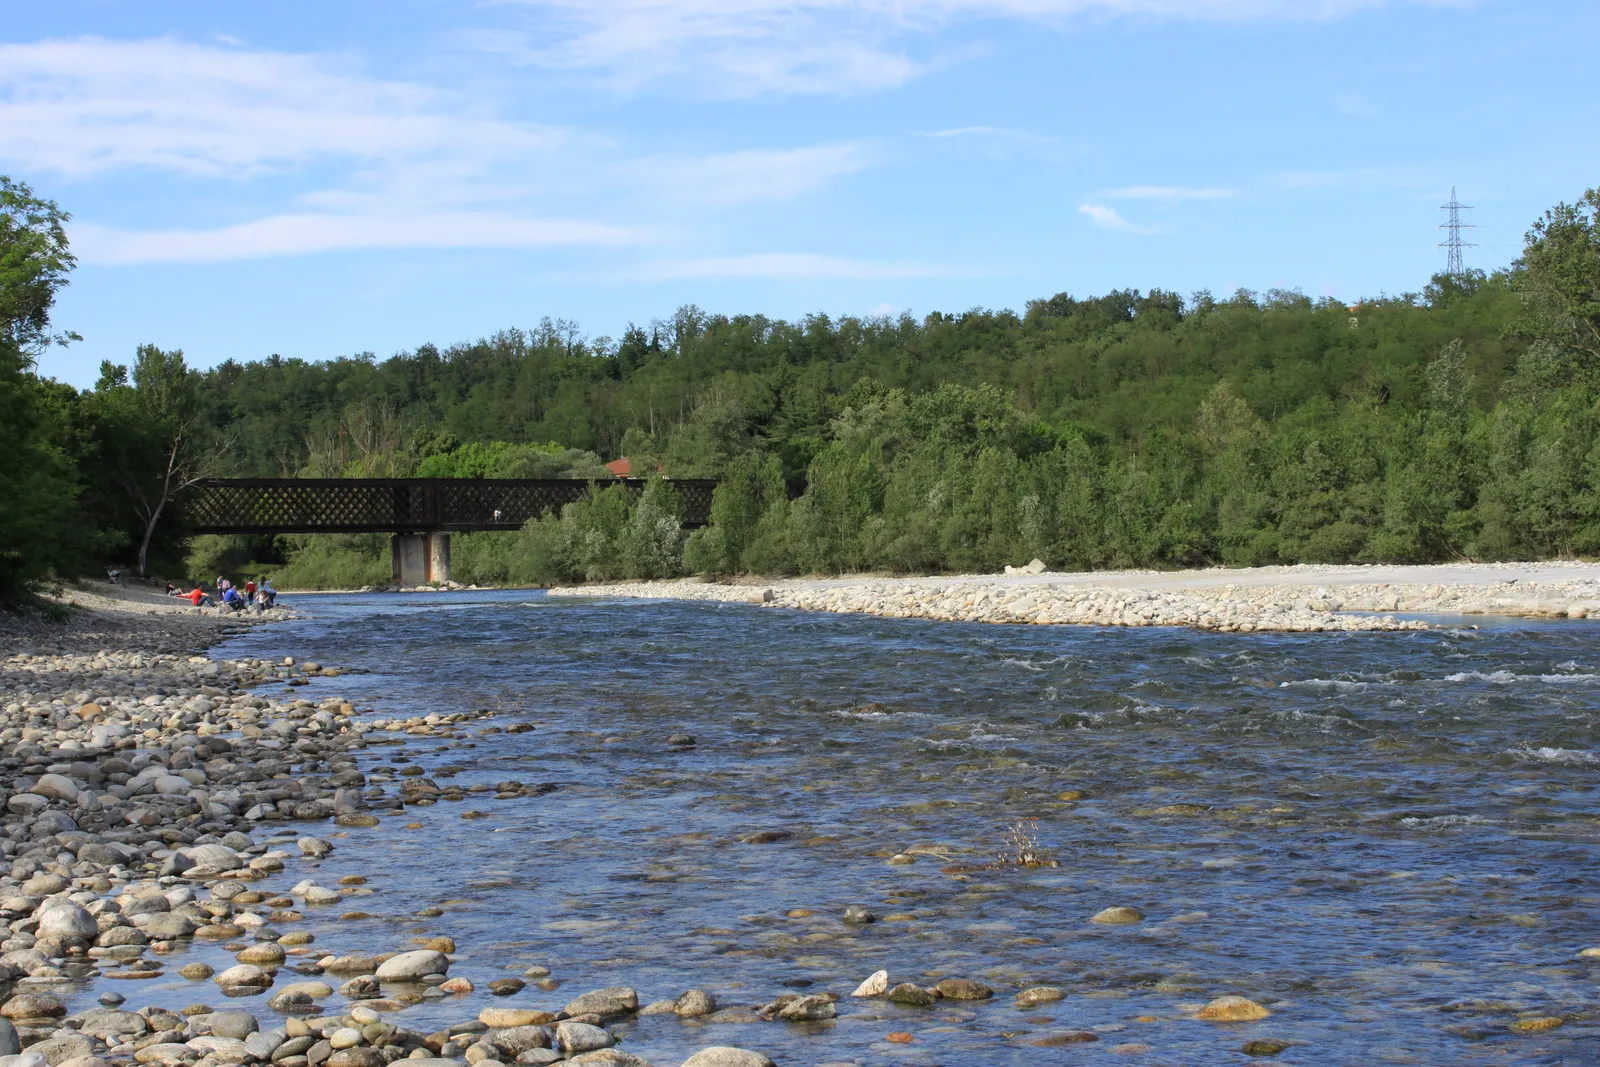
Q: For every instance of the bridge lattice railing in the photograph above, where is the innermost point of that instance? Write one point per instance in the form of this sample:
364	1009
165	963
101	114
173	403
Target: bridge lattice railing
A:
400	505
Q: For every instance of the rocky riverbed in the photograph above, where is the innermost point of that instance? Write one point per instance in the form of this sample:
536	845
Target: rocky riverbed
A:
156	801
238	859
1307	599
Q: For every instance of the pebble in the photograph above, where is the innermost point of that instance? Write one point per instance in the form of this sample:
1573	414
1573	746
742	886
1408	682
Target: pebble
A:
1118	915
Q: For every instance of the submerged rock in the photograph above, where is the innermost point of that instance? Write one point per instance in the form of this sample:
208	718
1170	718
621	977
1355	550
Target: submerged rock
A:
1231	1009
1041	994
962	989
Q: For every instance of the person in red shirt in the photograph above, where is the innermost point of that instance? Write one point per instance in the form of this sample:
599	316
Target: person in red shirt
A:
197	597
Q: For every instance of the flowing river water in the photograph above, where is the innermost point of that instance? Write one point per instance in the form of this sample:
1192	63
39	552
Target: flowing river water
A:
1387	839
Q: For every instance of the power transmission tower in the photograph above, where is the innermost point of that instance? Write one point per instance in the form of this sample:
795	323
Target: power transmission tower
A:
1453	228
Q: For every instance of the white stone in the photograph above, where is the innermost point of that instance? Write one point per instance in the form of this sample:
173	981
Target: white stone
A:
876	985
67	919
410	966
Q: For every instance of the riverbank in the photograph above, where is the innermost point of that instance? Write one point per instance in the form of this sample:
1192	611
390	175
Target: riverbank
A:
1301	599
160	810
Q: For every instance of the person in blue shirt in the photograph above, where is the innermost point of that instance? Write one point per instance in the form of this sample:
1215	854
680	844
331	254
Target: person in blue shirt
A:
231	597
269	595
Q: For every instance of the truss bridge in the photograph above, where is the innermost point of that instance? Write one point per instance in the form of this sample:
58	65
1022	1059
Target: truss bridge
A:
419	513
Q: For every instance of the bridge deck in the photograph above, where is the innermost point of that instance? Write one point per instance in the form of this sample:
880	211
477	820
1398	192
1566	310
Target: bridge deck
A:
399	505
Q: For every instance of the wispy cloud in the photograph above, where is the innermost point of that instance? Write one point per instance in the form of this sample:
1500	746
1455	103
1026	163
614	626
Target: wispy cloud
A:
1003	133
790	266
301	234
753	175
1107	217
88	105
750	47
371	163
1170	193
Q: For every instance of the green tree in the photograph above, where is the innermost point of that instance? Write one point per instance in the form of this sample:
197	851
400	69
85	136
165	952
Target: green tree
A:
40	525
159	444
1560	277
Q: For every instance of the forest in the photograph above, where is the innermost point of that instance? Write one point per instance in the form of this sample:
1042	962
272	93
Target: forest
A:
1134	429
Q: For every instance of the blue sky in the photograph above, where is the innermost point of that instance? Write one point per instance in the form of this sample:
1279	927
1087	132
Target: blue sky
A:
324	179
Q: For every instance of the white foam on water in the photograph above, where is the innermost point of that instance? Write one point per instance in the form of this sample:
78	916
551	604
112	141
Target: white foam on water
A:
1327	683
1440	822
1549	754
1503	676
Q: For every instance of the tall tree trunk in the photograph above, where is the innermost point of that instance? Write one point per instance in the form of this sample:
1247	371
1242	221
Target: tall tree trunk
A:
149	532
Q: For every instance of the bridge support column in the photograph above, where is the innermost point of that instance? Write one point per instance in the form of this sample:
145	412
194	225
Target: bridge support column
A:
408	558
439	557
419	559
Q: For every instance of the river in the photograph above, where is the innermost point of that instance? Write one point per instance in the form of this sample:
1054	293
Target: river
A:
1386	839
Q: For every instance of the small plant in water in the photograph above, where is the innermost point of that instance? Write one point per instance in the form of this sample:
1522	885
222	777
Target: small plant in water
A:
1020	847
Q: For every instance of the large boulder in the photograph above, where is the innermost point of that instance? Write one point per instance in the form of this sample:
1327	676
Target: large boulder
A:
411	966
213	858
64	918
577	1038
164	926
56	787
222	1049
26	803
106	853
109	1025
242	979
612	1002
235	1024
58	1050
515	1040
33	1006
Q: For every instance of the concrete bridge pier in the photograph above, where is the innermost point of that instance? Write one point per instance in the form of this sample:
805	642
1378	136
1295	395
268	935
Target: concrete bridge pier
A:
419	559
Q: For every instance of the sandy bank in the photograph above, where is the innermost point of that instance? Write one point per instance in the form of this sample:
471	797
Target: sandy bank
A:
1310	597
